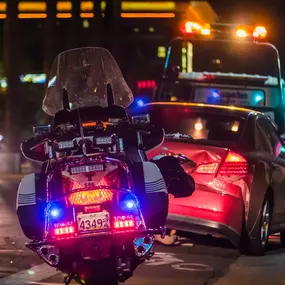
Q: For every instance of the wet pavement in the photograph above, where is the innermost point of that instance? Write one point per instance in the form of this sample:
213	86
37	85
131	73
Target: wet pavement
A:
193	261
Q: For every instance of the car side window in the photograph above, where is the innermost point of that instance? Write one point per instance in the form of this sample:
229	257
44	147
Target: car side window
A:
263	139
270	135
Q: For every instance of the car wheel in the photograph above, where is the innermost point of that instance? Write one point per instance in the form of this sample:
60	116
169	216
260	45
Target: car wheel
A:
258	245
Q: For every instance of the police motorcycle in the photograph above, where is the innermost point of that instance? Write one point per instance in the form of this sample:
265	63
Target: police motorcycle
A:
95	206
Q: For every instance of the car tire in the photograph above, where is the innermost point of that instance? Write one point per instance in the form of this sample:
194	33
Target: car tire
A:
282	238
258	246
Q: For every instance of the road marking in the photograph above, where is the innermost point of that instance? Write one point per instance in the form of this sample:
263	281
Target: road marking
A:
34	274
187	244
192	267
163	258
40	283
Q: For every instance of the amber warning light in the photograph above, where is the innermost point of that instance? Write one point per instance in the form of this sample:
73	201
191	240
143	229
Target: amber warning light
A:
247	32
196	28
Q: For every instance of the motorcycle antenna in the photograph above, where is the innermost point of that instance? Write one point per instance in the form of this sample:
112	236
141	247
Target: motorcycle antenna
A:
110	97
65	100
84	150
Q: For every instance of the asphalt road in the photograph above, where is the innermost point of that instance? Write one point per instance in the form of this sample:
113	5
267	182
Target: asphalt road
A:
196	260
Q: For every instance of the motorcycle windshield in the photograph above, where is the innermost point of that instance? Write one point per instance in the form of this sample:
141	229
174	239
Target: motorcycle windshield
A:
85	73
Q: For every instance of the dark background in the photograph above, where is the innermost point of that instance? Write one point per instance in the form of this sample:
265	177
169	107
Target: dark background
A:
268	13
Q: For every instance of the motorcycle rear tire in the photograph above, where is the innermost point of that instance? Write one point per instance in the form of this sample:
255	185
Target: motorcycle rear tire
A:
104	273
107	281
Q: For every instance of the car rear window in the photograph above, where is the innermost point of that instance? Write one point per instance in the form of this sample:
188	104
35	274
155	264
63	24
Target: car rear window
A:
188	123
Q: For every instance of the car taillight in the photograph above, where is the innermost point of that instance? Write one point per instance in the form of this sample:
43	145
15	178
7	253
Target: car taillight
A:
89	197
64	230
207	168
124	222
234	164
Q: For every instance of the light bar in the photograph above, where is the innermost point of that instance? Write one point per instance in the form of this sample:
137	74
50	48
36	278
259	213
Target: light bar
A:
241	33
87	168
260	32
196	28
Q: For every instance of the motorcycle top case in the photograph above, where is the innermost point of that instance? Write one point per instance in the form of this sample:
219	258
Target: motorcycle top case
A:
31	205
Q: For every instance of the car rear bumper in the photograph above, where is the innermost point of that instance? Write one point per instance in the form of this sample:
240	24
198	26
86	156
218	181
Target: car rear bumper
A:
208	211
199	226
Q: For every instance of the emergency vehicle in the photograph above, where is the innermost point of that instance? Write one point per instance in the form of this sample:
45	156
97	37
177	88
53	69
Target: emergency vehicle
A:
224	64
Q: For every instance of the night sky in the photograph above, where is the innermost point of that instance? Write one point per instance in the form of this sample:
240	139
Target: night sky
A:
270	13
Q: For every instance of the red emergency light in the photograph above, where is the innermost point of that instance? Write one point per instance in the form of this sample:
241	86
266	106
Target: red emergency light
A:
146	84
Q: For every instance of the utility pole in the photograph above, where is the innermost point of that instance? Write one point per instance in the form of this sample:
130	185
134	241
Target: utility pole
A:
11	61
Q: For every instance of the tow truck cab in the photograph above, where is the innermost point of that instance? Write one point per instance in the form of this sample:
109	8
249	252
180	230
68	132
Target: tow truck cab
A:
225	65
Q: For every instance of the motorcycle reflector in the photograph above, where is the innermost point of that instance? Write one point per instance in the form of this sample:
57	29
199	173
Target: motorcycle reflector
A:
90	197
124	222
87	168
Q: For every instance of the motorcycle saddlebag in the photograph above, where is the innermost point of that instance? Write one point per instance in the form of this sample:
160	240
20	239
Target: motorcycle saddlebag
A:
31	205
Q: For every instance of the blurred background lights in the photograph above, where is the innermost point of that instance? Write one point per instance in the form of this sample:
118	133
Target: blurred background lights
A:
198	126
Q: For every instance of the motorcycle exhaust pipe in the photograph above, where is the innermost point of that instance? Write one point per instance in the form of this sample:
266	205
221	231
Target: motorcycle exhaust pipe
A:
143	245
53	259
49	254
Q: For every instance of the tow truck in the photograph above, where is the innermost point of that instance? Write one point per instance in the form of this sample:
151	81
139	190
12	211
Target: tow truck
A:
224	64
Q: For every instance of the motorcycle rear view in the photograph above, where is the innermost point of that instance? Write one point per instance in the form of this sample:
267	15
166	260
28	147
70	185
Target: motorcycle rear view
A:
87	212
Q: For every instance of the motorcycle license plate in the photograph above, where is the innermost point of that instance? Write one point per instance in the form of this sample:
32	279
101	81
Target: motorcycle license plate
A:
93	222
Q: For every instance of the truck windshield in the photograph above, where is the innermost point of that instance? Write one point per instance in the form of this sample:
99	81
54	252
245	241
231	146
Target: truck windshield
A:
221	72
223	56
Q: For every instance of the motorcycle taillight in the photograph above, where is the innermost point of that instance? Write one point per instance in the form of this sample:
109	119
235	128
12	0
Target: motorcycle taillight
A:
124	222
89	197
64	230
